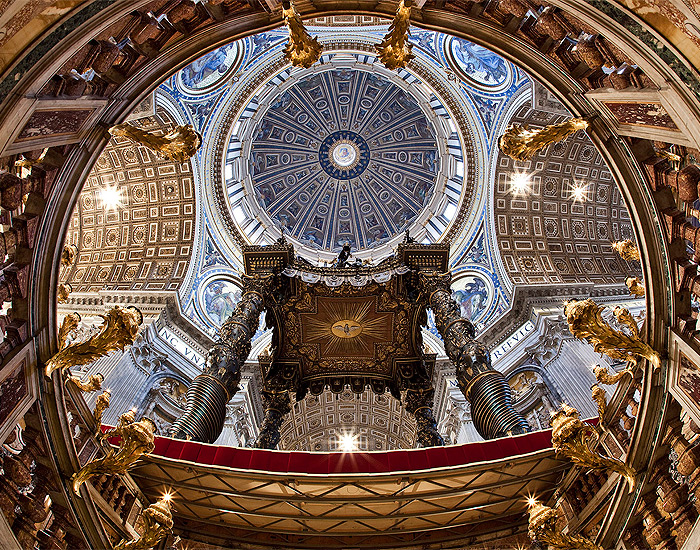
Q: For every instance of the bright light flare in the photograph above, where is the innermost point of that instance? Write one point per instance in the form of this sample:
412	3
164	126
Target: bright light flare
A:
520	183
111	198
167	497
579	192
347	443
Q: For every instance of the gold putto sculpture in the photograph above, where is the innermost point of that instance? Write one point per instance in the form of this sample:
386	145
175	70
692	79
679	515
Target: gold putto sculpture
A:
68	255
521	143
572	439
598	395
302	50
93	382
62	293
395	50
119	330
542	528
635	286
69	324
178	145
157	522
137	439
101	405
626	249
586	323
604	377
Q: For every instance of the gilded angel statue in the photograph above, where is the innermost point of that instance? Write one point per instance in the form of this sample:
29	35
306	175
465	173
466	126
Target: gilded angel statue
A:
178	145
395	50
521	143
302	50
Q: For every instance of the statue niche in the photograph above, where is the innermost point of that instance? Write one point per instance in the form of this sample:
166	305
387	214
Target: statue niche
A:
350	325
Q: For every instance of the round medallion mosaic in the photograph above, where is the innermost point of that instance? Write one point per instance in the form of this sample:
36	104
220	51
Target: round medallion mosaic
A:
344	155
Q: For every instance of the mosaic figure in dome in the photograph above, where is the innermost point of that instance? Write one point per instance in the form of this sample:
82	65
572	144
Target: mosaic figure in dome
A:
478	62
472	298
220	299
218	61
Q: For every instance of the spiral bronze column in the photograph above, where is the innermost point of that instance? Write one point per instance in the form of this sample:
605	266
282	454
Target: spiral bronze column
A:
209	392
277	406
484	387
419	402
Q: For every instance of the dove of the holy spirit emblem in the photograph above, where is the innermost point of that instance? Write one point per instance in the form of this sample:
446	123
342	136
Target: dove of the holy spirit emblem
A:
346	328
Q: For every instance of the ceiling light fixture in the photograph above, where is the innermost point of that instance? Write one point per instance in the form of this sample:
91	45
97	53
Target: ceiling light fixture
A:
111	198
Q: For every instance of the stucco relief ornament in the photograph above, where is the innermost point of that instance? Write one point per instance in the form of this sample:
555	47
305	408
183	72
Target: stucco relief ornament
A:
178	145
521	143
542	527
157	521
573	438
118	331
395	50
586	323
302	50
626	249
137	439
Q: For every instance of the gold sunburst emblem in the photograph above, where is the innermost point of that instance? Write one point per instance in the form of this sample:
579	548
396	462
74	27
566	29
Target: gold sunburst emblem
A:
345	328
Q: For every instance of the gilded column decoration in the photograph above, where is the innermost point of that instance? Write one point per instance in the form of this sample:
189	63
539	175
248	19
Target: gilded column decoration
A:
277	405
210	391
586	323
572	438
137	439
157	522
62	292
485	388
626	249
521	143
178	145
419	402
395	50
93	382
101	405
302	50
542	528
635	286
118	331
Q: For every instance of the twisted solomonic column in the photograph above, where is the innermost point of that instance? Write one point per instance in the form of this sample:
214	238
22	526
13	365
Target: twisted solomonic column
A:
210	391
485	388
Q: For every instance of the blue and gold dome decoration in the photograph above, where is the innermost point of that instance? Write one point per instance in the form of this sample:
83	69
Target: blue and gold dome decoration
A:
344	156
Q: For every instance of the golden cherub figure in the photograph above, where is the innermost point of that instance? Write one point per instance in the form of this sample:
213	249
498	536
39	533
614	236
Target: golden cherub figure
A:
101	405
395	51
69	324
302	50
157	522
93	382
598	395
179	145
119	330
586	323
572	439
68	255
521	143
62	293
626	249
604	377
635	286
137	439
542	527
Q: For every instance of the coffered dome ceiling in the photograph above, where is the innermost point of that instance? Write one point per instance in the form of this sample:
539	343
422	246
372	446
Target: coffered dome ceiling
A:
344	155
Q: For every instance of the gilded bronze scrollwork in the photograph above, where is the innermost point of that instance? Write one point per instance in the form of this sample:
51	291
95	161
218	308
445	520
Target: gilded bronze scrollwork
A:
521	143
178	145
137	439
93	382
118	331
573	438
542	528
586	323
157	521
394	50
302	50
